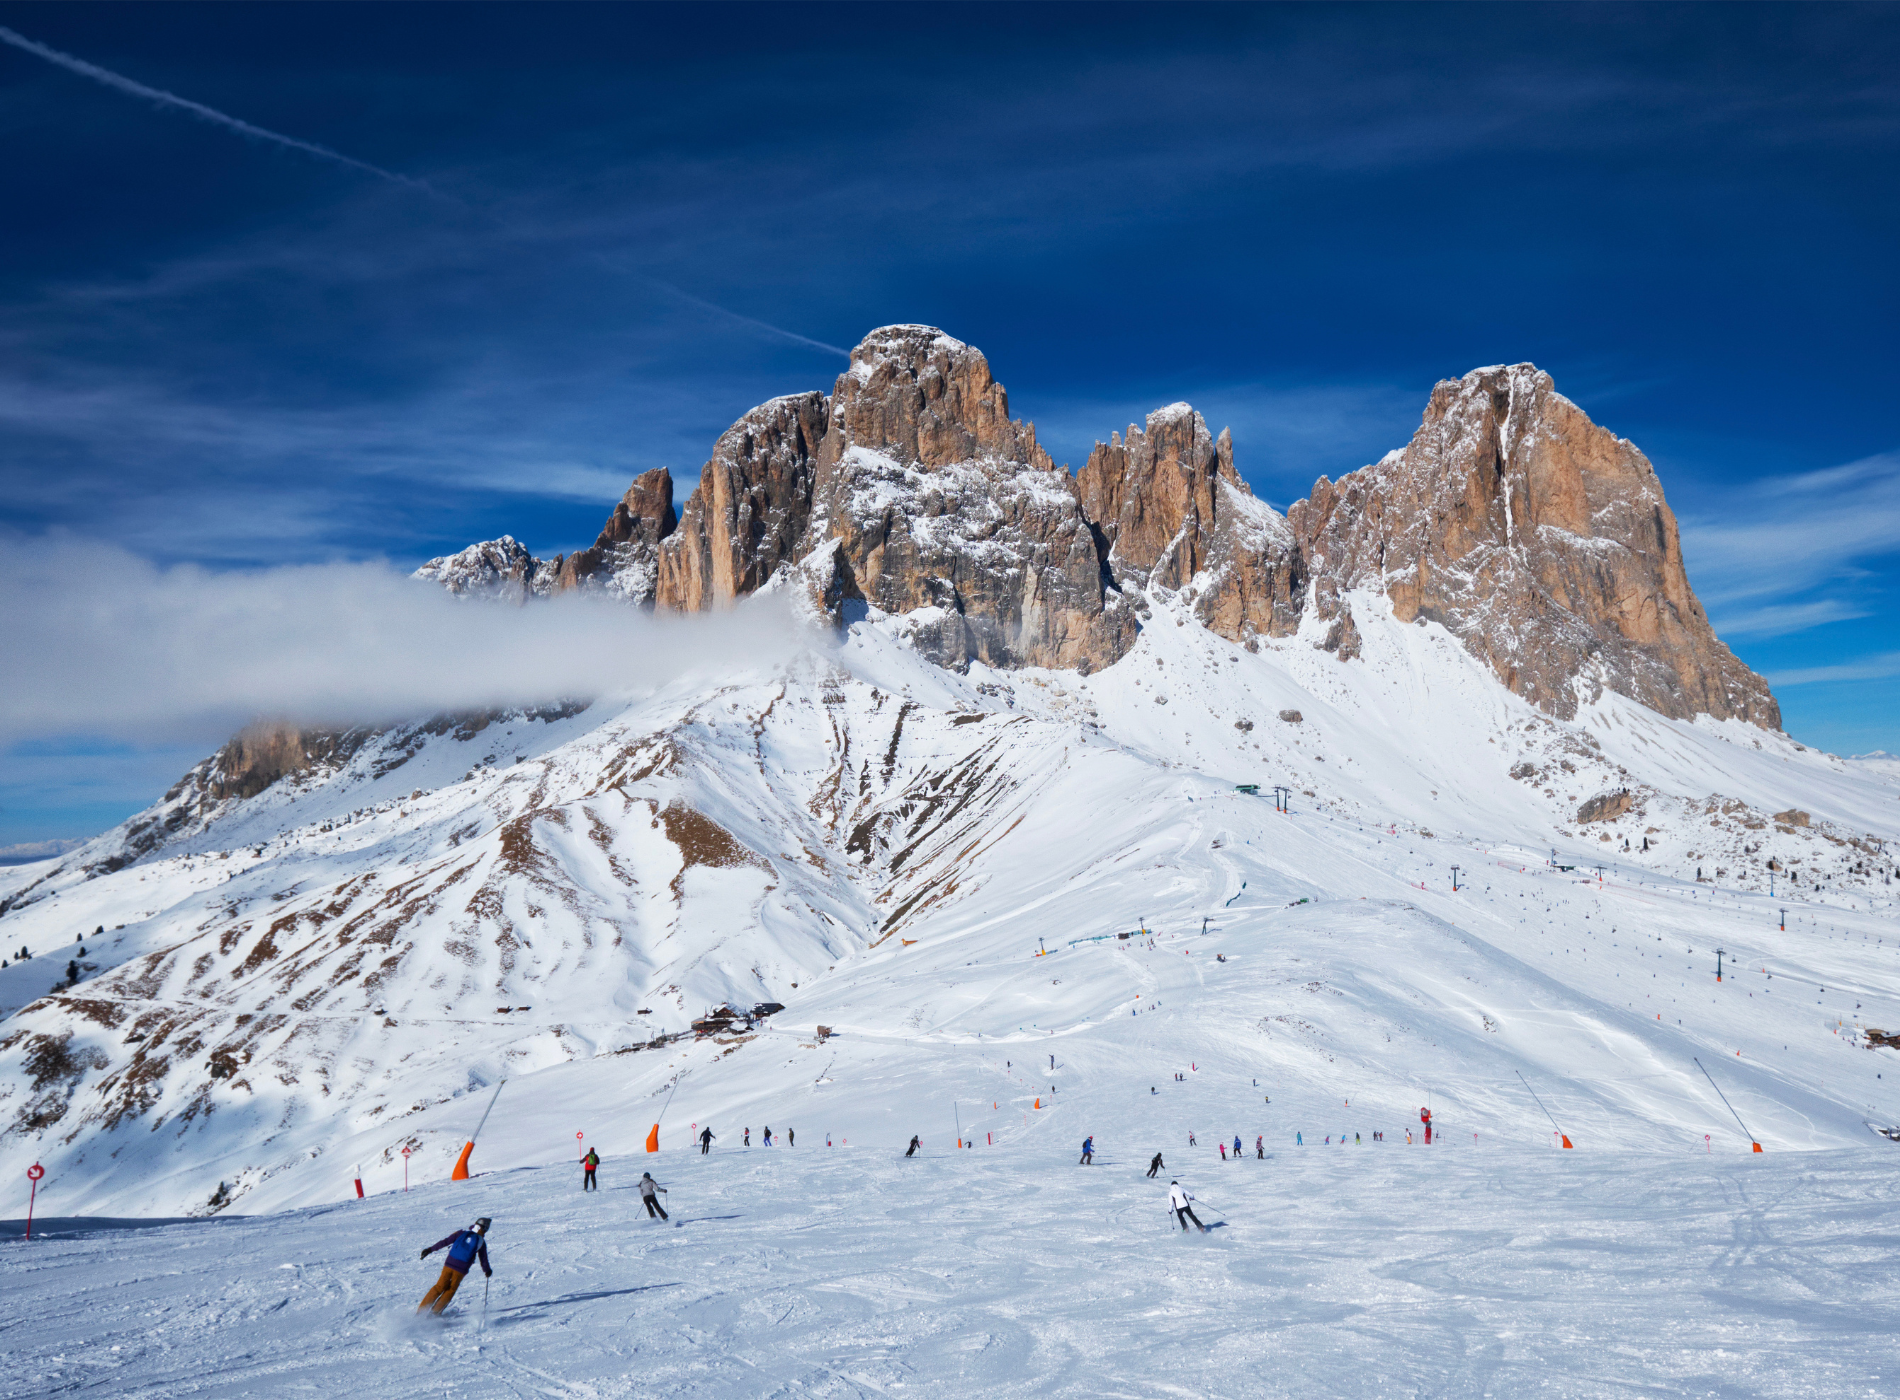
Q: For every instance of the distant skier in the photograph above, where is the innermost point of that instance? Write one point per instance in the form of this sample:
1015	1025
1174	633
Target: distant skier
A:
589	1165
1155	1165
465	1247
1299	1140
648	1188
791	1137
1223	1149
1191	1141
705	1141
1236	1147
1088	1152
911	1151
1260	1147
748	1138
1182	1205
768	1136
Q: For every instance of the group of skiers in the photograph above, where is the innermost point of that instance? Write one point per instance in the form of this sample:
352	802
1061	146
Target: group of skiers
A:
469	1247
590	1164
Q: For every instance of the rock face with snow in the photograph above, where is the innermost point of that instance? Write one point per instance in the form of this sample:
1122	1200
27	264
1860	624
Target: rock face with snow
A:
501	569
948	510
934	502
1175	513
1538	539
749	513
624	560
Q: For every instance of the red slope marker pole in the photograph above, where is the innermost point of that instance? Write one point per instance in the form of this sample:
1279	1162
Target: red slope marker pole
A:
405	1171
33	1174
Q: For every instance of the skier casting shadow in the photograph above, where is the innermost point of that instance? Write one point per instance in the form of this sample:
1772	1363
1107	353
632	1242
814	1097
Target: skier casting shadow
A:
911	1151
1182	1205
705	1141
465	1247
648	1186
1154	1166
1088	1152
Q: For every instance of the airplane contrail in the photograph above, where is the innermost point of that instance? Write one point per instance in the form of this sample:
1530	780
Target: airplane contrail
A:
753	321
198	109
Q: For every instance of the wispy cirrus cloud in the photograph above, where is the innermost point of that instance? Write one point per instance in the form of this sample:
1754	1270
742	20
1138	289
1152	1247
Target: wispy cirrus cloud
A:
1783	619
1783	536
1882	666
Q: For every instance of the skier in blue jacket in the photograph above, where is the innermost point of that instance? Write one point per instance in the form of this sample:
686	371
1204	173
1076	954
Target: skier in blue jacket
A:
465	1247
1088	1151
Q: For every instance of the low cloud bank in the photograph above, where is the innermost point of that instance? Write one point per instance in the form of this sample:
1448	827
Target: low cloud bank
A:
99	642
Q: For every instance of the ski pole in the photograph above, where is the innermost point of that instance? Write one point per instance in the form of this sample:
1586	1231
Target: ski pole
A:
1725	1103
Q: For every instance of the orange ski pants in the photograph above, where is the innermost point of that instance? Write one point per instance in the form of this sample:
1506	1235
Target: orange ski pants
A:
444	1289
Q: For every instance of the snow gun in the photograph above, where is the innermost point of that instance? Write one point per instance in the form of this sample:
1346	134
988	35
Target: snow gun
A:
461	1163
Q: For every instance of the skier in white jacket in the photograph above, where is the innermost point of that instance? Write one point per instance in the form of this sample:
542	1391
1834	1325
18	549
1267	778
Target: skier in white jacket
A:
1181	1203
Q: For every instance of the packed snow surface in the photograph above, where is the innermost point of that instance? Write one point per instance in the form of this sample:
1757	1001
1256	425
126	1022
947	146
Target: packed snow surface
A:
1009	910
1459	1269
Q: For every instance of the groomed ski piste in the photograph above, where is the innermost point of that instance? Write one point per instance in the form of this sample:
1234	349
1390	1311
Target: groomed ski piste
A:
938	869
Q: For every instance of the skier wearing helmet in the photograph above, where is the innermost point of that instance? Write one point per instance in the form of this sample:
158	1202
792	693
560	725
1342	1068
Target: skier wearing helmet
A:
465	1247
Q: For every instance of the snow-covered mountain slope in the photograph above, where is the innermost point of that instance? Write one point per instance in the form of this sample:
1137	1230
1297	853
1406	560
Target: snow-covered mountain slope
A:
302	982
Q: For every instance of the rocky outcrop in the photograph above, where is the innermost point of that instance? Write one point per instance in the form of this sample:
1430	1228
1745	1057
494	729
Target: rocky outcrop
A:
624	561
500	569
1538	539
1342	638
1174	512
259	754
751	510
1605	807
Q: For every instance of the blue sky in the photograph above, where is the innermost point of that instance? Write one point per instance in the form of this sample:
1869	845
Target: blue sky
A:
217	350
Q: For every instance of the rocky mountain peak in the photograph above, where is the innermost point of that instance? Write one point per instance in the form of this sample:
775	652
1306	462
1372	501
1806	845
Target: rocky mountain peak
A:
1173	509
1539	539
624	559
921	397
502	569
947	511
749	514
